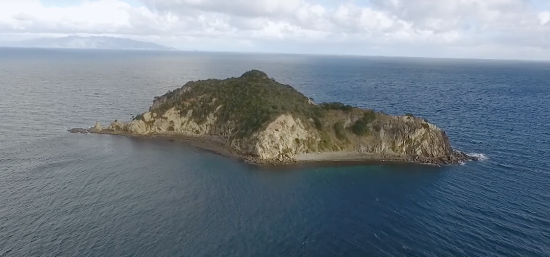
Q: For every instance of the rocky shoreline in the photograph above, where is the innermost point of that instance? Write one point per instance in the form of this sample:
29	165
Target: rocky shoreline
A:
219	146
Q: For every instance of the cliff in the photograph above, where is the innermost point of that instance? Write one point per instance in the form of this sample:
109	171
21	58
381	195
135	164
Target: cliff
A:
263	121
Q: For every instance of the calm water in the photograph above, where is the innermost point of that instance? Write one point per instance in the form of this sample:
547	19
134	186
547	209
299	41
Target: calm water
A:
91	195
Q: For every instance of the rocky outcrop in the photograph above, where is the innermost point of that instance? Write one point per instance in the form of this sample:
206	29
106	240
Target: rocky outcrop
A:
277	130
97	128
281	141
117	126
411	136
407	136
173	122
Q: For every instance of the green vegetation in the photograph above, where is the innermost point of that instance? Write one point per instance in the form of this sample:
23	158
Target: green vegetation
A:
340	131
326	142
253	101
138	117
361	126
369	116
336	106
318	123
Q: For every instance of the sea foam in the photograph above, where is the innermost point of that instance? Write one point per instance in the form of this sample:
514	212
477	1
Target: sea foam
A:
479	156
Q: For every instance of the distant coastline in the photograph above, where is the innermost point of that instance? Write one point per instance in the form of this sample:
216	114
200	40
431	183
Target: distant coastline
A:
89	49
92	42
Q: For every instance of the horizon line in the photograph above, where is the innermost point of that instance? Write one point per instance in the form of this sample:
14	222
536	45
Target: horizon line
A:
277	53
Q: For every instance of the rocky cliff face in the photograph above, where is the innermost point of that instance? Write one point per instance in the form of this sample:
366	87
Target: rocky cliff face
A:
287	136
280	133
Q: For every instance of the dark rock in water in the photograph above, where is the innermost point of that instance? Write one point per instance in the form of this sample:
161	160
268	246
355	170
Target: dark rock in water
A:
78	130
463	156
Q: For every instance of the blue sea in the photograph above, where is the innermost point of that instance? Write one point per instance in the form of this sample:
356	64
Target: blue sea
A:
67	194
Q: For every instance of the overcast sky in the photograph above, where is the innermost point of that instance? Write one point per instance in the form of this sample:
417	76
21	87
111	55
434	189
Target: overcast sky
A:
511	29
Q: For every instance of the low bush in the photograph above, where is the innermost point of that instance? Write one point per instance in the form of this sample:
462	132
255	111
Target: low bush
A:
340	131
361	126
336	106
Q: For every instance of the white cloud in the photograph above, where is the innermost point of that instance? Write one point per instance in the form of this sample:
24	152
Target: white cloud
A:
544	18
256	8
407	27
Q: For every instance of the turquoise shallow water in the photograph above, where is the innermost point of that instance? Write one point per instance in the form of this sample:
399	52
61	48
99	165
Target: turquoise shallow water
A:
94	195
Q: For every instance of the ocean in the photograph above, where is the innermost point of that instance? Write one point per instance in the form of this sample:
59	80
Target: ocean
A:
65	194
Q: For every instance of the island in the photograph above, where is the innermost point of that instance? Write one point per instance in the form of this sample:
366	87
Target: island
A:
257	119
92	42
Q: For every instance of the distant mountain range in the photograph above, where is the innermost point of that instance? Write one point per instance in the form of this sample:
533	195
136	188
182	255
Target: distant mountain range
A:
94	42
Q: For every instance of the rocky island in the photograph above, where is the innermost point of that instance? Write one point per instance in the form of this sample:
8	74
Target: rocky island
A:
255	118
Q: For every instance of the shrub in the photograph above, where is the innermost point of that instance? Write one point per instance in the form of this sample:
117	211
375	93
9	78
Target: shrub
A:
326	142
318	124
336	106
340	131
318	112
361	127
369	116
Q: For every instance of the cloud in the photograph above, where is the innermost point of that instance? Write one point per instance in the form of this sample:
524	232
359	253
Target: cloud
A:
544	18
104	16
246	8
421	27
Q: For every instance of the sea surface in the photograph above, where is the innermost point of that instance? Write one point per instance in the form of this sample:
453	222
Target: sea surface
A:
67	194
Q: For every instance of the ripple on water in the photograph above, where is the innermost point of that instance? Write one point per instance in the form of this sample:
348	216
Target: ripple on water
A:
73	195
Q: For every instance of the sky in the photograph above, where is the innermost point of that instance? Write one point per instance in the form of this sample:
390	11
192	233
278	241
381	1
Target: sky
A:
495	29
